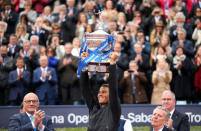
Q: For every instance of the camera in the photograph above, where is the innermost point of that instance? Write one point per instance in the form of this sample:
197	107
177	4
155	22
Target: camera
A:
130	71
157	12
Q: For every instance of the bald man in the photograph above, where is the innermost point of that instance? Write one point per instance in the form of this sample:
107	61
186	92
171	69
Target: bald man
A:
32	119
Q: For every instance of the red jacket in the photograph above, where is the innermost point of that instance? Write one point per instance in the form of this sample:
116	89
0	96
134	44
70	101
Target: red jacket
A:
197	81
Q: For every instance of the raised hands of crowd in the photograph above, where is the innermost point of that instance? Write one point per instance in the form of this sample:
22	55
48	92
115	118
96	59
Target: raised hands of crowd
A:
67	61
138	58
20	75
113	58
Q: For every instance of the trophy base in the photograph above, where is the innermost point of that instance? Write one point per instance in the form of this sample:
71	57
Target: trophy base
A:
97	67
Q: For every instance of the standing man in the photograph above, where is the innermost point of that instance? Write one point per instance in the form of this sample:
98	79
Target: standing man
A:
180	121
104	109
13	47
45	81
32	118
6	65
19	81
160	118
67	69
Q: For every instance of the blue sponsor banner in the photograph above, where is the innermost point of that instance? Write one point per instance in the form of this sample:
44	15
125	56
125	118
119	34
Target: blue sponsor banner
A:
77	116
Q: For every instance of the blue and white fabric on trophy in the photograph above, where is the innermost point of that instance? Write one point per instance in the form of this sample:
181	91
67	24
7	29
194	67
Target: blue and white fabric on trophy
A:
97	55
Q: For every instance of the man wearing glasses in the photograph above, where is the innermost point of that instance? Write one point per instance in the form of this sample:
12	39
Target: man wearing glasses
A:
32	119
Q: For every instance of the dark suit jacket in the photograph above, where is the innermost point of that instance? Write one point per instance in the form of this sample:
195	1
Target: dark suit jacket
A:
144	66
45	90
22	122
11	21
188	48
188	29
17	49
18	86
164	129
180	121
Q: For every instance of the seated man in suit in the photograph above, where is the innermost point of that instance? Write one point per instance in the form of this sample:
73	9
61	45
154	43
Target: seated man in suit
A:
32	119
160	118
45	81
178	121
18	81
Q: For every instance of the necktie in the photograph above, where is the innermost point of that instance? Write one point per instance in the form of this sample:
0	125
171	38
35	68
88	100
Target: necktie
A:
31	117
133	83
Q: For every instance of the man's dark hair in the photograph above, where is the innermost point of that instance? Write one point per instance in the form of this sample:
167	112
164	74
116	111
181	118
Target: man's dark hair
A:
105	85
20	58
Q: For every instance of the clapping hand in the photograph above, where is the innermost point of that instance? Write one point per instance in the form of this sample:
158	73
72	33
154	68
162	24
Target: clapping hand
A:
38	118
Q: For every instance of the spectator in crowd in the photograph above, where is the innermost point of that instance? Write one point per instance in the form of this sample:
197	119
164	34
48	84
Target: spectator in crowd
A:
161	55
112	27
80	26
29	55
52	61
137	19
25	22
197	33
45	81
76	47
180	8
182	74
180	23
56	29
146	7
18	81
197	81
156	15
42	33
111	12
9	16
122	62
183	42
171	18
69	22
3	36
104	109
89	7
194	18
47	14
121	21
195	6
156	35
6	65
31	118
57	46
21	33
129	9
165	43
140	58
13	47
124	41
34	41
160	118
67	69
161	79
134	84
178	121
31	14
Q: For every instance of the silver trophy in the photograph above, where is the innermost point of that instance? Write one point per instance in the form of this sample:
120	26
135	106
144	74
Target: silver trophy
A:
93	41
